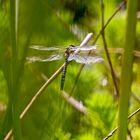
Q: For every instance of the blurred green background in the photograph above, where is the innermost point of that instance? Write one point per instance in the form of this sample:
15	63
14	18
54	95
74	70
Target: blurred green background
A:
52	23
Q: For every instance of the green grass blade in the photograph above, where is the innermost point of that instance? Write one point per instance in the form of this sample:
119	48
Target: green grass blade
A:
14	68
126	76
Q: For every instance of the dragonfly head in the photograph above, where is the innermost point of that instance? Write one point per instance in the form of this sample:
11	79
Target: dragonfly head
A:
72	46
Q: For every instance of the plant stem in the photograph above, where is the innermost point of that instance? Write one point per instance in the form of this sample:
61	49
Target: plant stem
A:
126	73
14	67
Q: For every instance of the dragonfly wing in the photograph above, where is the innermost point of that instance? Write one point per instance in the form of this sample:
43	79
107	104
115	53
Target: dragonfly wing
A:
42	48
40	59
85	59
87	48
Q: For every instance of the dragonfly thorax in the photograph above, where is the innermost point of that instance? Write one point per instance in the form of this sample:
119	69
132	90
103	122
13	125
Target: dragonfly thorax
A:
69	50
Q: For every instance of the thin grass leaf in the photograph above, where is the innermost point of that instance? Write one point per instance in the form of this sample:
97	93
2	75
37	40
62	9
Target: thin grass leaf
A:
126	73
13	98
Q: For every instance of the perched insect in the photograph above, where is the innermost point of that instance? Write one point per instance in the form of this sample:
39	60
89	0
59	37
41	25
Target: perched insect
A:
79	54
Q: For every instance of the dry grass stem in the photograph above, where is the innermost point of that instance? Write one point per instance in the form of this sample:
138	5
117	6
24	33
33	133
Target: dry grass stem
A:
115	129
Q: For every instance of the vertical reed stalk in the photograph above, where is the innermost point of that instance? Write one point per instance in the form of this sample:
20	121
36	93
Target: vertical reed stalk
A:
126	73
13	97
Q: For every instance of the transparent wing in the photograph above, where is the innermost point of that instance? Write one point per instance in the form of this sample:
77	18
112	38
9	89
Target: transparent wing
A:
87	48
83	48
42	48
40	59
85	59
79	59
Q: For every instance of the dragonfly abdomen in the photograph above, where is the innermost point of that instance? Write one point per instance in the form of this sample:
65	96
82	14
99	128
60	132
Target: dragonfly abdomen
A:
64	75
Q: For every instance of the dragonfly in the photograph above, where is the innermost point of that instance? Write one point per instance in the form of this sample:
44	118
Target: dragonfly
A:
76	53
